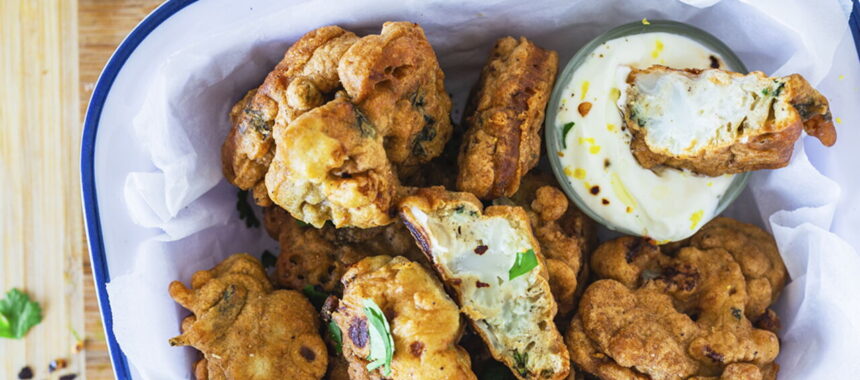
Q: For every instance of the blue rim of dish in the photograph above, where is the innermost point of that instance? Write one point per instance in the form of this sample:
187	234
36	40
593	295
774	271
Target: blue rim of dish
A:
88	143
98	260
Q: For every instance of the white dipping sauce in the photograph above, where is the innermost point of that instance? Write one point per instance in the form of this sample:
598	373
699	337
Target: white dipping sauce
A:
666	205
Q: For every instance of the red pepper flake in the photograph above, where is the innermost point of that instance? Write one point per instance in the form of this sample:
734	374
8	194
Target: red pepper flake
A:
57	364
482	284
605	201
595	190
481	249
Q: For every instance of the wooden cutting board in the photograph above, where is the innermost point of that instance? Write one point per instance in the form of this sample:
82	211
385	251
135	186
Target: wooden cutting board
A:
51	53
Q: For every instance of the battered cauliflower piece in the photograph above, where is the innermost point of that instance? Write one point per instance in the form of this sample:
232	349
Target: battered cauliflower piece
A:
245	329
756	252
424	322
717	122
504	118
330	164
297	84
565	234
396	81
320	257
667	317
492	262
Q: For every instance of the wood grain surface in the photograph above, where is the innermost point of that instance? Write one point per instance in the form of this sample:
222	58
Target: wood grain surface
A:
43	242
51	54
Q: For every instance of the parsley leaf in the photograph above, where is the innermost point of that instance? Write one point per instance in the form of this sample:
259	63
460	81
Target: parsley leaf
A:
268	259
315	294
246	213
336	336
381	342
18	314
525	262
567	127
520	362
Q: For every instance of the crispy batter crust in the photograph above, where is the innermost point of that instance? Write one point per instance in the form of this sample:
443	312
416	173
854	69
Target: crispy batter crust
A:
320	257
684	315
504	118
565	234
244	328
546	342
297	84
330	164
425	323
396	81
769	147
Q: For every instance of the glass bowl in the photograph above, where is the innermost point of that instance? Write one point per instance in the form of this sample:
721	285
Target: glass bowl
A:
553	129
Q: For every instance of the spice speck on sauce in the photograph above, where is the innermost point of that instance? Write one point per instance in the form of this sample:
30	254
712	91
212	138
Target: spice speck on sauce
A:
605	201
715	63
482	284
594	190
481	249
57	364
583	108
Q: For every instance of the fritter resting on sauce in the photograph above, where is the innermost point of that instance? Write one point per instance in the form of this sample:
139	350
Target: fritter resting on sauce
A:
717	122
245	329
492	262
686	315
320	257
297	84
504	118
395	80
330	164
565	234
424	322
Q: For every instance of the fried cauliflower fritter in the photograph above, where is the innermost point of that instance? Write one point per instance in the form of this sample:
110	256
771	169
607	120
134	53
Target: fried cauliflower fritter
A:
297	84
504	118
755	251
717	122
480	254
245	329
320	257
330	164
396	81
657	316
565	234
424	322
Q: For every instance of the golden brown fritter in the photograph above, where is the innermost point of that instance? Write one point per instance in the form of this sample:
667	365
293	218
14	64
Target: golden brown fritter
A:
760	119
755	251
565	234
297	84
330	164
504	118
663	317
424	322
481	255
245	329
395	80
320	257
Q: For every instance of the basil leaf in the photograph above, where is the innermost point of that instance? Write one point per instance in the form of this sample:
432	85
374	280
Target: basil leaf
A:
525	262
336	336
567	127
315	294
381	342
18	314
